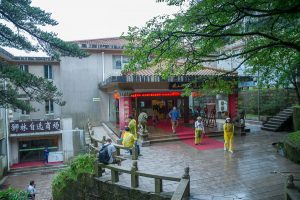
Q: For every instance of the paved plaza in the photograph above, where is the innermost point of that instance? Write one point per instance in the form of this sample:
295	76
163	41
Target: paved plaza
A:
215	174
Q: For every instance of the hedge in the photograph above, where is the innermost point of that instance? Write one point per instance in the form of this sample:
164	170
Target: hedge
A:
292	146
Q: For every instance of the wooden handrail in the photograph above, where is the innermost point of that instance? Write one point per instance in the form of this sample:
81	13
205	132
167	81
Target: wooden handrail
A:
95	142
167	178
182	191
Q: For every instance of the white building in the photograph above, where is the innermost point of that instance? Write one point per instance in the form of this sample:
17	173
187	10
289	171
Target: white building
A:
93	89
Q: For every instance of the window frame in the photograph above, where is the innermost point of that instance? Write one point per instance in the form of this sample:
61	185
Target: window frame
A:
49	107
24	68
48	72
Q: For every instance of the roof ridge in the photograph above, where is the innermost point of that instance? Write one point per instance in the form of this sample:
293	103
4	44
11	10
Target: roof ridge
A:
107	38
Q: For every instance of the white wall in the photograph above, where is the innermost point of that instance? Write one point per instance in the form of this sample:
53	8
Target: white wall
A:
39	113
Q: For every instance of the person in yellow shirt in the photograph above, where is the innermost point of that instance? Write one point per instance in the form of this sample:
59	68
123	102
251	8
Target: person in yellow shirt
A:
129	140
132	126
228	135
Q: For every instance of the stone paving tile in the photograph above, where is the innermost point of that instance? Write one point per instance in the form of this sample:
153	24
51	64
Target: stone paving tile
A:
215	174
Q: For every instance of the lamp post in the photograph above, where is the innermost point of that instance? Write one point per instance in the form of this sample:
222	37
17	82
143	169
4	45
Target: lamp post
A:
258	97
6	124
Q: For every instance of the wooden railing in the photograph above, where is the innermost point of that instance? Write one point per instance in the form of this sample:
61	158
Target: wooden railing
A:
292	190
95	144
182	191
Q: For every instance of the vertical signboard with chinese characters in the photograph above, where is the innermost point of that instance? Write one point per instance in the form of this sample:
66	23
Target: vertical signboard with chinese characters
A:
124	111
18	127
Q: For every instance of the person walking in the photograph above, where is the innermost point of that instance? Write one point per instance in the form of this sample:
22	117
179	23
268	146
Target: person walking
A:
199	130
132	126
46	155
31	190
228	135
129	141
174	115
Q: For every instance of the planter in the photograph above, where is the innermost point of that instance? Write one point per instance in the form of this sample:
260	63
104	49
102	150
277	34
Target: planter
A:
292	147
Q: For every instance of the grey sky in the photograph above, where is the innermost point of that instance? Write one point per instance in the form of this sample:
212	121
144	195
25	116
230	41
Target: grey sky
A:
91	19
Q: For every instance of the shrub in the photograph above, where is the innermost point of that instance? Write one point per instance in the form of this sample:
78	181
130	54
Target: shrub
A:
13	194
82	164
292	146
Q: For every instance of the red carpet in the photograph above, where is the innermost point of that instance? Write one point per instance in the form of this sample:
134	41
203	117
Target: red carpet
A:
207	143
33	164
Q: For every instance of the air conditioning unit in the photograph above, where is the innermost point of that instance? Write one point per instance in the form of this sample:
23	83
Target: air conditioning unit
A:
222	106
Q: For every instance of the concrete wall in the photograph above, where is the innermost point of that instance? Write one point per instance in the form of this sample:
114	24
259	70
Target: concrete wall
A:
14	154
88	188
67	138
39	113
79	83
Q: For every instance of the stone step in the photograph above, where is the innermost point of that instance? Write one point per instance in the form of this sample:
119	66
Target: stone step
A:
183	137
272	126
277	120
154	137
40	169
275	123
268	129
170	139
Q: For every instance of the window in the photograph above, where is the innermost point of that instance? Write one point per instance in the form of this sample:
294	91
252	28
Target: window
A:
48	71
119	61
23	68
49	109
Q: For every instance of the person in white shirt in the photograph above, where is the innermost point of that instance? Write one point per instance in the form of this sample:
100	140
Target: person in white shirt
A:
31	190
199	131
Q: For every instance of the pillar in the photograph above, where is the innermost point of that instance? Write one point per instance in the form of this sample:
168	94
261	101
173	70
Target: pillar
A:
186	112
125	108
232	105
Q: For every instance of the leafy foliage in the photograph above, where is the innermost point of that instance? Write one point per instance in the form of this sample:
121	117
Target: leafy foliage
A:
13	194
294	138
262	34
21	28
271	100
82	164
34	88
21	22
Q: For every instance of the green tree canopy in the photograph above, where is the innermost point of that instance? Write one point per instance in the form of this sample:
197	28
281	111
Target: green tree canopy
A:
21	27
262	34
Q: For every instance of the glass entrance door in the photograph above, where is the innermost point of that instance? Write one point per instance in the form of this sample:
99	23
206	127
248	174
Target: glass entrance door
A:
33	150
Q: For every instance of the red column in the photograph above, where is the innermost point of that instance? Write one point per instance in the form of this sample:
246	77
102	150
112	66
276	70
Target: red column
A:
233	105
125	109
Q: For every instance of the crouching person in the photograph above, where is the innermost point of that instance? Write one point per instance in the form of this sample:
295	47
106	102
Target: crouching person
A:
129	141
108	153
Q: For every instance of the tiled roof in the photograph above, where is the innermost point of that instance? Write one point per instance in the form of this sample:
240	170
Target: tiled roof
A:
206	71
102	42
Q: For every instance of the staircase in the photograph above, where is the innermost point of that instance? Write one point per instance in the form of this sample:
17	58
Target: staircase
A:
48	169
175	137
276	123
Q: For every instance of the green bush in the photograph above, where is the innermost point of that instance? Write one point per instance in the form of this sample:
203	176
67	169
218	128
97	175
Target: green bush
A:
292	146
13	194
82	164
271	101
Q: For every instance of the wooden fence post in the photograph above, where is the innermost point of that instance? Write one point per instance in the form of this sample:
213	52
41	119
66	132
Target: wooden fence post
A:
114	176
158	185
134	176
98	169
134	153
103	139
186	175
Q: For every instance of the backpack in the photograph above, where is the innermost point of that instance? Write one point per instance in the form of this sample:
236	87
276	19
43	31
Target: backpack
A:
103	154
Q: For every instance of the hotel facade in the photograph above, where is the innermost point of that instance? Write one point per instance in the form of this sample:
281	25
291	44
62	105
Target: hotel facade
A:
95	89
